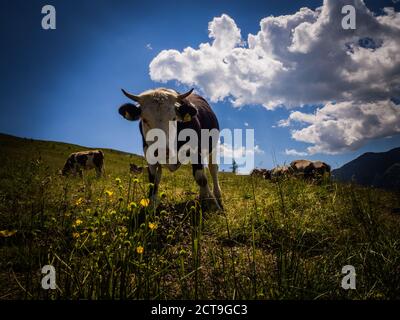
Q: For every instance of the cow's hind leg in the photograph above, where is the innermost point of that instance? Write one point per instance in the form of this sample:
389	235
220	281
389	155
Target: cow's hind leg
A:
206	197
214	175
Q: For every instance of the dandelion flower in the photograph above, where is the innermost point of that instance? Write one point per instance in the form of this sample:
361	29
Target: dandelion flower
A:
109	193
78	222
153	225
144	202
139	249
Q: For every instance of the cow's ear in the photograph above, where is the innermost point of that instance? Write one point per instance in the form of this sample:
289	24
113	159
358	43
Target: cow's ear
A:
130	112
186	111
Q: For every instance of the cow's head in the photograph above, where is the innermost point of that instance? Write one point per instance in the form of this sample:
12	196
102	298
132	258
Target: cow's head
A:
156	108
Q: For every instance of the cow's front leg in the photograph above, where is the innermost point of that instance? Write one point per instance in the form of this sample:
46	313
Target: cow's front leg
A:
206	197
154	178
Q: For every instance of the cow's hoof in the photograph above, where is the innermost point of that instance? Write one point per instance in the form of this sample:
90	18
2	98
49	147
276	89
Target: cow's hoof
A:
220	204
210	205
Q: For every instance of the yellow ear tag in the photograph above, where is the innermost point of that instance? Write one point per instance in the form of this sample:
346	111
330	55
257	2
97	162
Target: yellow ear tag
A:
187	118
126	114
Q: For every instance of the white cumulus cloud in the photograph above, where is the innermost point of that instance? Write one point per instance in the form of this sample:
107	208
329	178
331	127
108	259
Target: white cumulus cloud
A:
294	152
346	126
297	59
229	152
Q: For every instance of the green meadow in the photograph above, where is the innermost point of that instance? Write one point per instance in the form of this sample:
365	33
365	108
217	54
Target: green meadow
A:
283	240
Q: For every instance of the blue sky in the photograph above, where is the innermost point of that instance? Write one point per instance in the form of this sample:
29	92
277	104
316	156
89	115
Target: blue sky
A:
64	84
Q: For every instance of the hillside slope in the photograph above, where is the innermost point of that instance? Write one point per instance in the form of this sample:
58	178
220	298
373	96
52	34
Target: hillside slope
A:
55	153
372	169
284	240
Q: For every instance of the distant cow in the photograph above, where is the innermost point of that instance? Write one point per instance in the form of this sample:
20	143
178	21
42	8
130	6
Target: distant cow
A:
310	169
84	160
304	168
281	172
133	168
261	173
157	109
321	169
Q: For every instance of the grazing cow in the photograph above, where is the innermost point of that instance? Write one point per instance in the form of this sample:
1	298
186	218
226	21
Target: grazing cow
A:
304	168
133	168
281	172
321	169
156	109
310	169
262	173
84	160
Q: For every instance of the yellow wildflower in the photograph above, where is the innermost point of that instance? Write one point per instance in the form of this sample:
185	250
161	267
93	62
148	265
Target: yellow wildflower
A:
153	225
7	233
79	201
77	222
118	181
144	202
76	235
139	250
109	193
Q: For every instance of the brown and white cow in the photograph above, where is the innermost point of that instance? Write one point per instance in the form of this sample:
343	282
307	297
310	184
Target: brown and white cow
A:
280	172
155	109
321	169
310	169
261	173
133	168
304	168
84	160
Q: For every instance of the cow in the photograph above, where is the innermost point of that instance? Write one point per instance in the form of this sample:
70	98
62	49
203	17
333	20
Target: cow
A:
280	172
155	109
321	169
133	168
310	169
303	168
261	173
84	160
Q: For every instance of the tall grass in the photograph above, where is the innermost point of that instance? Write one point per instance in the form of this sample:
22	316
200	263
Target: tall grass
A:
283	240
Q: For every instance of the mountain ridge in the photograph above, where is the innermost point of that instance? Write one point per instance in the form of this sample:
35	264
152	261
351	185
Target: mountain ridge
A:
376	169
